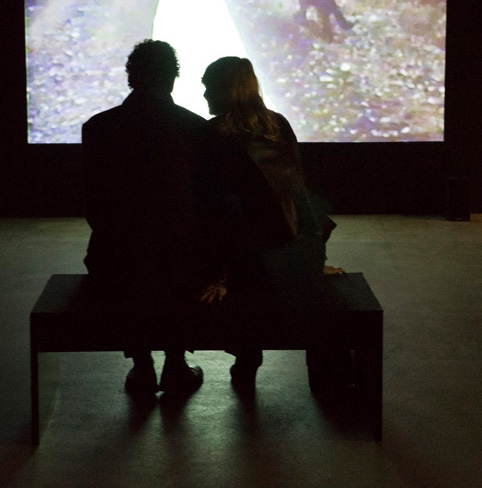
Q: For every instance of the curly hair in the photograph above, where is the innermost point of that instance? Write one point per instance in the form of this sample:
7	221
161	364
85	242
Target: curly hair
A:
152	64
234	84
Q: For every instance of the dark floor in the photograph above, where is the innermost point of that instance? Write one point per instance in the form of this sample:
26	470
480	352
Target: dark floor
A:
426	273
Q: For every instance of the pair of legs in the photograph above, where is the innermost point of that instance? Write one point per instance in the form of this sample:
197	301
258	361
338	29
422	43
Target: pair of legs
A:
330	368
177	375
288	294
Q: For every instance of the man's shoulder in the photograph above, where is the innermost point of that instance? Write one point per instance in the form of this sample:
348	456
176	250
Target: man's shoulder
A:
154	113
189	117
103	118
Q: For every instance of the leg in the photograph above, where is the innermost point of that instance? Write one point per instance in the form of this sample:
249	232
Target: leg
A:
370	344
178	376
304	4
329	370
332	8
248	359
331	363
300	15
141	379
243	372
324	17
44	383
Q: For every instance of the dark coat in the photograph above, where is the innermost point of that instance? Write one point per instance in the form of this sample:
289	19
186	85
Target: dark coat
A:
146	173
284	229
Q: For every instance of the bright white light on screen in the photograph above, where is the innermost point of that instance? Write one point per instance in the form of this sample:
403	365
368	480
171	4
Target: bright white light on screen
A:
201	31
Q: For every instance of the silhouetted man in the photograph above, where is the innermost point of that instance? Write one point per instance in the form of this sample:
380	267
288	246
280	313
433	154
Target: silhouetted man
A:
146	179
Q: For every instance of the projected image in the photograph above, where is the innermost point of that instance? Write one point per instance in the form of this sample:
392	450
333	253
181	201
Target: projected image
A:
339	70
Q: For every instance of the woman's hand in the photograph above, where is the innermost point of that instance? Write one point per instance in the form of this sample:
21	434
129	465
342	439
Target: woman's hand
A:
214	292
331	270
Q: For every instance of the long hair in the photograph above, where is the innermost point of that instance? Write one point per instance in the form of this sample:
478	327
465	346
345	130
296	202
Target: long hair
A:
233	83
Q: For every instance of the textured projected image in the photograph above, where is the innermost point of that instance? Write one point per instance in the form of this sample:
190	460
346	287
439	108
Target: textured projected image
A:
340	71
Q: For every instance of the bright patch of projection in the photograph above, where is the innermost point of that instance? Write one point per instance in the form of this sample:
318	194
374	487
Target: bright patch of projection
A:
201	40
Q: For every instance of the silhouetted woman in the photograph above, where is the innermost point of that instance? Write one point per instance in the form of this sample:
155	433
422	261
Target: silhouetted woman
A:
282	246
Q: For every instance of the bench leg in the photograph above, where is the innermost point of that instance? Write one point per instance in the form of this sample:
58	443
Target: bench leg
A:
328	370
371	375
44	385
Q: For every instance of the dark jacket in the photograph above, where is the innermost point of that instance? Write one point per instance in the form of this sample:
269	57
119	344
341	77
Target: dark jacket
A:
146	170
280	221
290	212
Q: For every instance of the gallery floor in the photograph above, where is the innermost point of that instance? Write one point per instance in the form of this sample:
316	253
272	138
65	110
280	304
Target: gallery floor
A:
426	273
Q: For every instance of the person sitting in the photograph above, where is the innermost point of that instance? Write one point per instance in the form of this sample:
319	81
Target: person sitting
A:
283	238
146	173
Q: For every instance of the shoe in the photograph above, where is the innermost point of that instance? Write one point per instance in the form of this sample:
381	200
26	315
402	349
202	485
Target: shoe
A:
184	379
141	381
243	378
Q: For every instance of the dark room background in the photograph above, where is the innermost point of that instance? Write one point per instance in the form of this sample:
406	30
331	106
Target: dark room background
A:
437	178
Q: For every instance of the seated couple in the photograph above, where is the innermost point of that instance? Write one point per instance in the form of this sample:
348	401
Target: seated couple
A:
183	209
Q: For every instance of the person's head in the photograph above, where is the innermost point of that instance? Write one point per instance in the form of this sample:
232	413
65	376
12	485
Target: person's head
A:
232	91
230	82
152	65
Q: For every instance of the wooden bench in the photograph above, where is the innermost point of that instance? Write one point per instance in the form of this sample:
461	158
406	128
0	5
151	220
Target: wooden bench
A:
70	317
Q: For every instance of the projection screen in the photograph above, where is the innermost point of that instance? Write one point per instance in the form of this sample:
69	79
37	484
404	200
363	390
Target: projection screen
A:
344	71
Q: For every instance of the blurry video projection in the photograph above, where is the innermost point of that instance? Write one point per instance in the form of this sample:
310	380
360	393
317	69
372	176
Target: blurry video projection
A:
340	71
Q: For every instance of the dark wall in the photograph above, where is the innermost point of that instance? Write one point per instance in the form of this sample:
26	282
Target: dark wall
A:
412	178
378	178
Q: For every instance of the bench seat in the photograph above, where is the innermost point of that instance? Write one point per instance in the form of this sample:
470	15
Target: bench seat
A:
70	317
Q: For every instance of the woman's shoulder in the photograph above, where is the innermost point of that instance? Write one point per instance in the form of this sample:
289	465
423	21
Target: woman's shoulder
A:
283	124
279	117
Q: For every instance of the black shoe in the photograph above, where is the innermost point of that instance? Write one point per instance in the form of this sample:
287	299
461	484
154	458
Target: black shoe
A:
243	378
141	381
183	379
